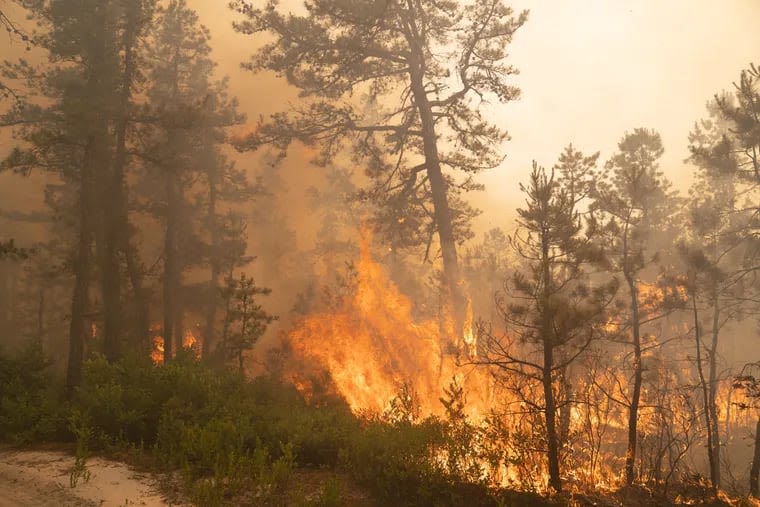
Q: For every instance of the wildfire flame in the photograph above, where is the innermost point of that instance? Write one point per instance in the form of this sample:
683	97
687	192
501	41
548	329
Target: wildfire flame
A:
375	350
189	341
372	345
468	335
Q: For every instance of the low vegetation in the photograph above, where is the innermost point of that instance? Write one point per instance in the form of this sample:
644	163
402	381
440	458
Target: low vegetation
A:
221	439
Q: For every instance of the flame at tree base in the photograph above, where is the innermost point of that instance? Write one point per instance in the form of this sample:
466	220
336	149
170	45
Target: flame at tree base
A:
373	348
189	341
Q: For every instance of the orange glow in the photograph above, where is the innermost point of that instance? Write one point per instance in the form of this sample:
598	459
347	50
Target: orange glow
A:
468	335
189	341
381	358
372	346
157	354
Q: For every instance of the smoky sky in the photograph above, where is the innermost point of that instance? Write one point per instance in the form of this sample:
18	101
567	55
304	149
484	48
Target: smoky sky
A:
589	71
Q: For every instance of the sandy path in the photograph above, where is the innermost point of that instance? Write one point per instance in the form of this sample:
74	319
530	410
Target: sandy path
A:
41	478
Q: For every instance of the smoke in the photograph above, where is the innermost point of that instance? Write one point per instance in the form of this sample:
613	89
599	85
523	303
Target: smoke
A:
590	70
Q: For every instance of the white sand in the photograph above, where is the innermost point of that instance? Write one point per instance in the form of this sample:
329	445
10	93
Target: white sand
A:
42	478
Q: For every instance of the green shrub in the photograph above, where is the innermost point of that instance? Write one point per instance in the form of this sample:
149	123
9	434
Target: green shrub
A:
126	400
395	461
330	496
82	430
405	463
31	405
238	441
226	434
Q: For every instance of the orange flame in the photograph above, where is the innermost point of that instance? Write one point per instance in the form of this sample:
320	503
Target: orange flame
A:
372	345
189	341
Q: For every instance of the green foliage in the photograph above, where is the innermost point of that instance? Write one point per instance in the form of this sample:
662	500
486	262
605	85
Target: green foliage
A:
82	430
739	151
236	441
29	409
430	462
246	320
253	474
227	435
462	439
330	496
394	461
633	202
403	74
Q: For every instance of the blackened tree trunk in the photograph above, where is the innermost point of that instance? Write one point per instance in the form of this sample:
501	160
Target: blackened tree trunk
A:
82	266
94	156
547	337
41	316
229	294
142	324
170	267
566	390
179	309
633	413
214	261
438	187
754	472
706	398
116	223
552	440
714	443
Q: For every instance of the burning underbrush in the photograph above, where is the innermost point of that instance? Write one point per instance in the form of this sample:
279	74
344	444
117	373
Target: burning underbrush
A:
372	349
371	345
189	342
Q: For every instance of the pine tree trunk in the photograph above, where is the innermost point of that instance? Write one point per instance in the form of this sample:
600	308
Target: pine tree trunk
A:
41	316
179	316
565	411
548	342
213	297
95	146
552	439
214	261
633	415
225	352
115	223
170	268
142	326
706	396
79	299
714	445
110	277
754	472
439	190
244	317
79	303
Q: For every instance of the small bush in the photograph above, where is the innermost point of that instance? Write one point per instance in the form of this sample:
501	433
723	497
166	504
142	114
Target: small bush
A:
31	406
330	496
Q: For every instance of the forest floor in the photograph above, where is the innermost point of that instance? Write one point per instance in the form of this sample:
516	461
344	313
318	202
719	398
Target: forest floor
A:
43	478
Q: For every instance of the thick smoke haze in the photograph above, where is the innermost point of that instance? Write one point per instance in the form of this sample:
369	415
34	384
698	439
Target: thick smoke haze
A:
605	297
589	71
